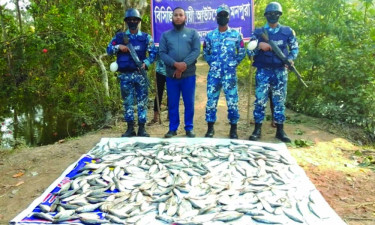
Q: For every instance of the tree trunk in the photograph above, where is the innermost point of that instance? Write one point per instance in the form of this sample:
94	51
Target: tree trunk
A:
19	15
5	38
104	81
365	14
104	73
15	123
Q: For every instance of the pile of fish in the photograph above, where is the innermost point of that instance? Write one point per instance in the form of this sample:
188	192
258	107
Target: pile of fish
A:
162	182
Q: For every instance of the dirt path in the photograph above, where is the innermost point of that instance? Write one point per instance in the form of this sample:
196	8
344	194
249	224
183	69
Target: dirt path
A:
349	189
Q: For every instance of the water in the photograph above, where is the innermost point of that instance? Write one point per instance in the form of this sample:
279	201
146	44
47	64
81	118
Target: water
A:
36	125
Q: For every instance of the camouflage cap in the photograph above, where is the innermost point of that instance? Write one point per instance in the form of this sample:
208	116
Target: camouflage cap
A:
224	8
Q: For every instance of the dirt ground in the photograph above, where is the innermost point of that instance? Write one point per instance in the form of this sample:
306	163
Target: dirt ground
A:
329	163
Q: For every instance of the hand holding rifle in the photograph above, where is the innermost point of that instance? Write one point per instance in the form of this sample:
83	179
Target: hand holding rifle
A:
128	47
272	46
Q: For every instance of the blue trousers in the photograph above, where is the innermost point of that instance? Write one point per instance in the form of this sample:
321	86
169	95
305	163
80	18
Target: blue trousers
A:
176	87
274	80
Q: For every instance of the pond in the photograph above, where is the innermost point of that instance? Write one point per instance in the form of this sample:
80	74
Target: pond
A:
35	125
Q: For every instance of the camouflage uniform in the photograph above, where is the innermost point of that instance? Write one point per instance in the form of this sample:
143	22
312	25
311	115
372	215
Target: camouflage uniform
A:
223	51
272	79
132	82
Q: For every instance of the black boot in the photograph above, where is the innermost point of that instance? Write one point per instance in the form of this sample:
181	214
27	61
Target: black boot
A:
257	133
130	132
141	130
280	134
210	130
190	134
233	131
170	134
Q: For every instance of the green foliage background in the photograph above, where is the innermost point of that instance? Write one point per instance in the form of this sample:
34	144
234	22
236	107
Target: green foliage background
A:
336	59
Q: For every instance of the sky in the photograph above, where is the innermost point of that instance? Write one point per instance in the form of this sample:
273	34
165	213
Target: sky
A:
10	4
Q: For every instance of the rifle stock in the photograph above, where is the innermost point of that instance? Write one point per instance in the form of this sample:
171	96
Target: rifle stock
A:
283	58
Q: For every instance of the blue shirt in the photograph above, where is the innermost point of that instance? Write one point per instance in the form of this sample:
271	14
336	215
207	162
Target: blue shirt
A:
225	47
113	47
292	42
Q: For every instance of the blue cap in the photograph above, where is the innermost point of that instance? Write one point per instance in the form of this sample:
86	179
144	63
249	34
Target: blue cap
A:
224	8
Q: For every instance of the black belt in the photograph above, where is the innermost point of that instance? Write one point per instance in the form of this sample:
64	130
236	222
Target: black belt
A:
127	71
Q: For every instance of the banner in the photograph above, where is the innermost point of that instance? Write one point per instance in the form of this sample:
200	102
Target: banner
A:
201	15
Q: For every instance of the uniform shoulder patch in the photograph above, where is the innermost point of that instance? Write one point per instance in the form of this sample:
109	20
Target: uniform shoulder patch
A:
242	44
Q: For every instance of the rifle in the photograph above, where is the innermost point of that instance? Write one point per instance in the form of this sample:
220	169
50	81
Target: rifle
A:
282	57
134	55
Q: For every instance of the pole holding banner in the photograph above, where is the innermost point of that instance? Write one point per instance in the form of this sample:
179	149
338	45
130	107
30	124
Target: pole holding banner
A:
157	96
248	119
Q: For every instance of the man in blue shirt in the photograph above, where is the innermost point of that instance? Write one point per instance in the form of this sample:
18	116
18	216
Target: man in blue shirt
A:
272	74
223	49
131	80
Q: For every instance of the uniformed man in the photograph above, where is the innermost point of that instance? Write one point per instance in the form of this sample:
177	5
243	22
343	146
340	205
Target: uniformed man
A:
272	74
223	49
132	82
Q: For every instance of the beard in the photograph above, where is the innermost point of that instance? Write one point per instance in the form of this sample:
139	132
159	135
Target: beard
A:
178	26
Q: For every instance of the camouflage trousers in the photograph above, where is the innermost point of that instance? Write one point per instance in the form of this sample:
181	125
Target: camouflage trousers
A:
134	87
274	80
227	82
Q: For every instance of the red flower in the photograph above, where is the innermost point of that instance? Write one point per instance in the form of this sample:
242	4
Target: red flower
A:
45	50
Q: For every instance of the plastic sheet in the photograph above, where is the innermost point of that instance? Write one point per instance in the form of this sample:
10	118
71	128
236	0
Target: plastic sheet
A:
303	188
